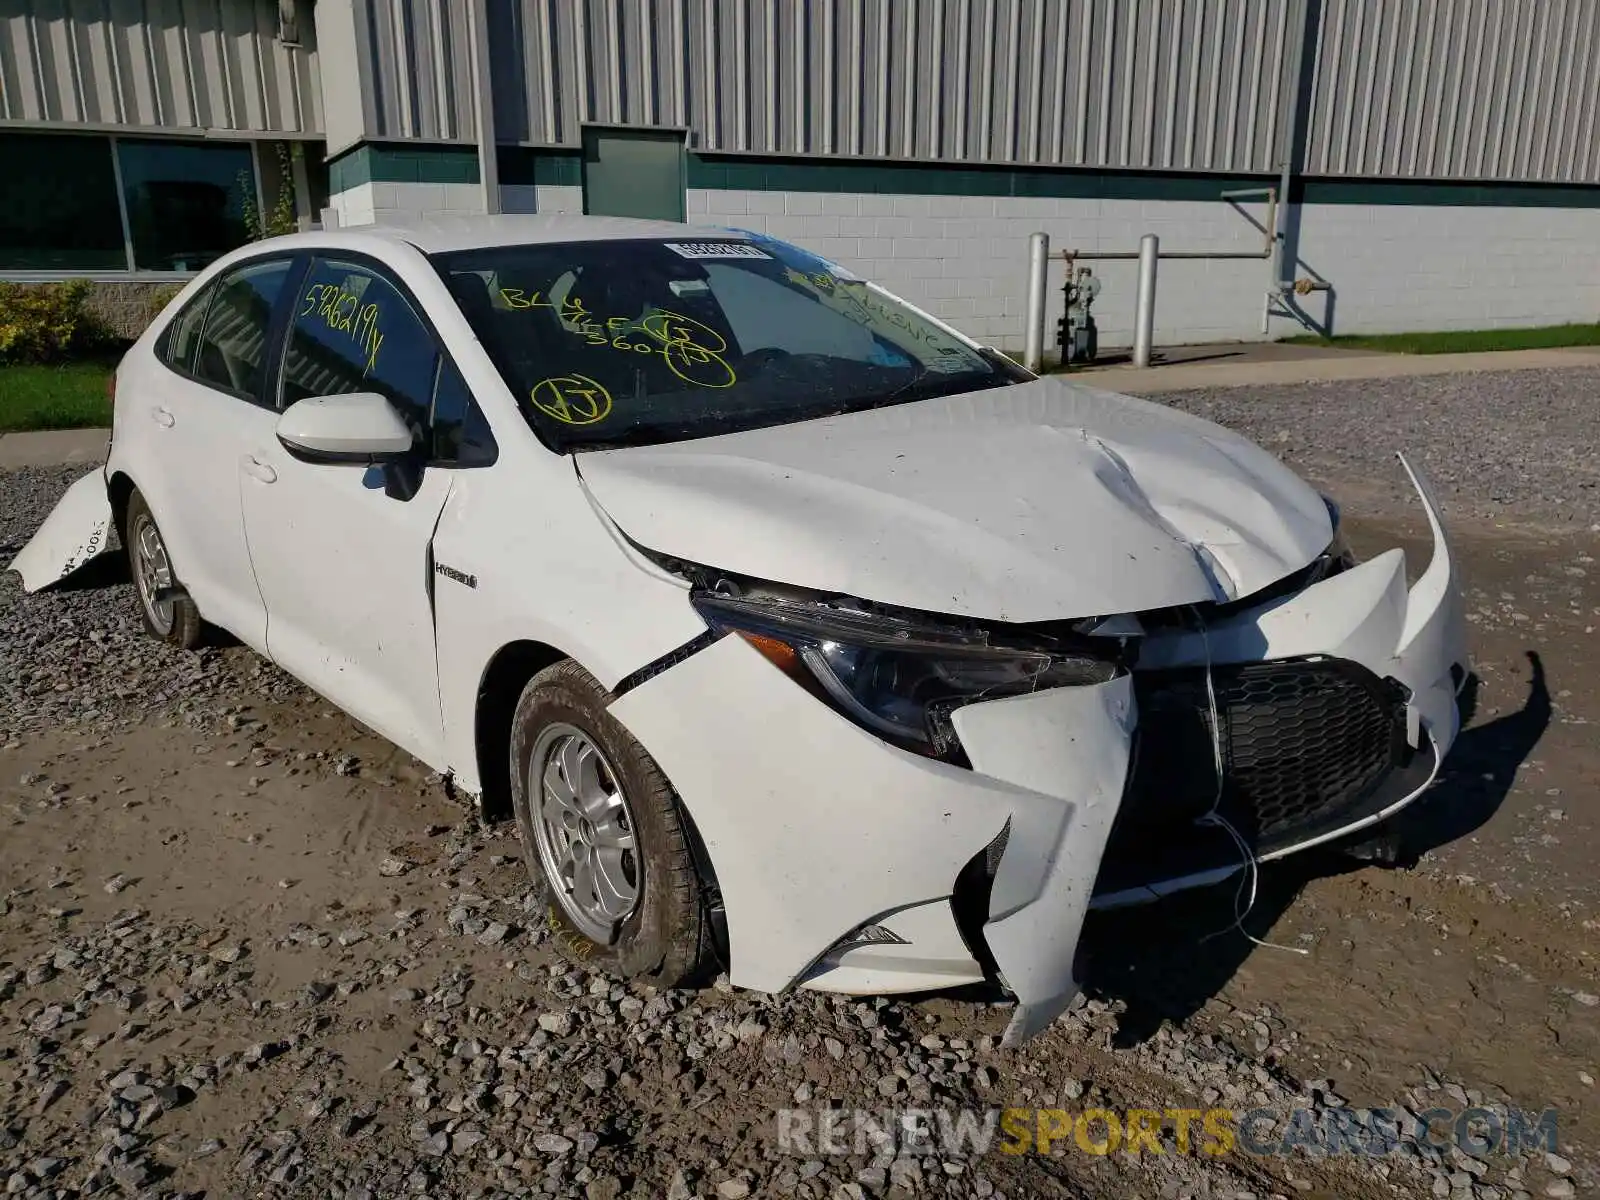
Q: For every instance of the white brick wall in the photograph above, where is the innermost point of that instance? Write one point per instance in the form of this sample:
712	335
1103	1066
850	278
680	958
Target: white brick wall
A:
1394	268
378	202
560	198
1453	267
354	205
964	258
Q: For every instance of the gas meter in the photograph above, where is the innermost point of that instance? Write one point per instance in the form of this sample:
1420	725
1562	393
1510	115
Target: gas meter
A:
1075	332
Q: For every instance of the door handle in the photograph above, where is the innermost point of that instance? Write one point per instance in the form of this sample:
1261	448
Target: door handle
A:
257	469
162	417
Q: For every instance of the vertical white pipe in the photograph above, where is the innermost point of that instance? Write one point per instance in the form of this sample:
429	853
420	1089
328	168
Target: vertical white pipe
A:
1038	282
483	105
1144	317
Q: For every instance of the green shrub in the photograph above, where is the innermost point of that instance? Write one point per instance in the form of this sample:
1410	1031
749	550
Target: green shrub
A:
45	322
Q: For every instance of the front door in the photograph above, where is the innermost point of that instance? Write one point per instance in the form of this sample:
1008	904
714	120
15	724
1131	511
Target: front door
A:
343	564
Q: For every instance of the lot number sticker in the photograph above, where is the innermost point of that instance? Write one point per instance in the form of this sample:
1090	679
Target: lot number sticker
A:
716	250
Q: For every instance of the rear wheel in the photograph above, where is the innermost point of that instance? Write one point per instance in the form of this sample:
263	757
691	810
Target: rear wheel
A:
167	610
603	834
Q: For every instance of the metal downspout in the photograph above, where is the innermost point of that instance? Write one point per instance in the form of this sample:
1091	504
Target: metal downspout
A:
1293	147
483	106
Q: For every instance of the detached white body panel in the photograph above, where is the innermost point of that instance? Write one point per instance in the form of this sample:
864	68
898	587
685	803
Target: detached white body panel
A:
77	530
1030	522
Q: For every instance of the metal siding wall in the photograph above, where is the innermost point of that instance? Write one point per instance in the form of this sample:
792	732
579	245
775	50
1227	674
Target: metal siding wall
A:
1456	89
1492	89
213	64
1186	84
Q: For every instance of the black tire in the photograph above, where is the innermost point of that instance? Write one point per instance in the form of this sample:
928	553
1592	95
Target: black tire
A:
666	939
184	628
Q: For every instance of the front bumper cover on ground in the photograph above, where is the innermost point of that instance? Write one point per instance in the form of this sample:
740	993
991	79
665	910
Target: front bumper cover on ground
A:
819	831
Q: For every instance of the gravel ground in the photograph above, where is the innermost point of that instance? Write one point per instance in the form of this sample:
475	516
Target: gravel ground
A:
1514	443
246	949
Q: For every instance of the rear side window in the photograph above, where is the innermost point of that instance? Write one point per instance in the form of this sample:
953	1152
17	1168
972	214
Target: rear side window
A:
232	351
183	335
353	331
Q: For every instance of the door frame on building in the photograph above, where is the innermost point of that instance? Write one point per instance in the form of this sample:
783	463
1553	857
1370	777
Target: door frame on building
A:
654	133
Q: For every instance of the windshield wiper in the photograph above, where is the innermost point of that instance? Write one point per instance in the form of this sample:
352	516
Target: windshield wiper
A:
1006	366
638	436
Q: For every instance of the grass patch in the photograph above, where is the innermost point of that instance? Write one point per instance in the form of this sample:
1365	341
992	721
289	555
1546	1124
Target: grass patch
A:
1460	341
72	396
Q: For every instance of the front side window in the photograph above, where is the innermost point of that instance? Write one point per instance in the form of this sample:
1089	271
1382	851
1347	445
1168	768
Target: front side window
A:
353	331
232	351
461	434
624	342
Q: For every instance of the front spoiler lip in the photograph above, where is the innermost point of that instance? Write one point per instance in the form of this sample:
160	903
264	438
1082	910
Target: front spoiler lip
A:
1030	1018
1149	893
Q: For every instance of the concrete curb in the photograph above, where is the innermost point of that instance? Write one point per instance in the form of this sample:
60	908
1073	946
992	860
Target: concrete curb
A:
53	448
1149	381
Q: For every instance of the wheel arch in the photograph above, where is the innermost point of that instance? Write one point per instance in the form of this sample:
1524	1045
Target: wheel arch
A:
499	689
120	488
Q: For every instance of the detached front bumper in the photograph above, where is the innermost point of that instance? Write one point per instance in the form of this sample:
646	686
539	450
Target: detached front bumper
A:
845	863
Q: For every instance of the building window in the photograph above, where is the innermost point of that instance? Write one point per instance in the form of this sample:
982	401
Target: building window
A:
181	205
58	204
185	201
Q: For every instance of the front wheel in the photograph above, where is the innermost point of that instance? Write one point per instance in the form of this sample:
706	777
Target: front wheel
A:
603	833
167	610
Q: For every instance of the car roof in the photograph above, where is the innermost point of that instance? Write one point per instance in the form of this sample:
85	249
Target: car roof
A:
442	234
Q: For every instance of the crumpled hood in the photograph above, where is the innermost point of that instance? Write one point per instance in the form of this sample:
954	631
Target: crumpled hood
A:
1040	501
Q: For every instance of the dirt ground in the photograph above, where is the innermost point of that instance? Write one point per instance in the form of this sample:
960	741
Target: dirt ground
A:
246	948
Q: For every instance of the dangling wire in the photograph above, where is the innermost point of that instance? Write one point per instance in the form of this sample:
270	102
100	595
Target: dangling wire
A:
1244	899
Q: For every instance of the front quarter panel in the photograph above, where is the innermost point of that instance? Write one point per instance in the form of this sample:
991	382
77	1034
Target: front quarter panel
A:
521	554
814	826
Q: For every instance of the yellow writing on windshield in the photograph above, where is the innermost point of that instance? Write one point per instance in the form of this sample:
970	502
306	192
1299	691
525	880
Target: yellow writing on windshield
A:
572	399
570	309
691	349
852	298
341	310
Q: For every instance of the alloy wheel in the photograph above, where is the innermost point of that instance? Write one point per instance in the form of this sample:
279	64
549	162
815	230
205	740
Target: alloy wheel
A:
152	572
584	832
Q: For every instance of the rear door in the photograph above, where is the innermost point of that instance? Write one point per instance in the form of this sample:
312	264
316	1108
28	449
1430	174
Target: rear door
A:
191	421
342	555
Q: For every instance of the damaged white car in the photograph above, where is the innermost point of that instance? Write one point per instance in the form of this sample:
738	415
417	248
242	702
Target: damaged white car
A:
799	631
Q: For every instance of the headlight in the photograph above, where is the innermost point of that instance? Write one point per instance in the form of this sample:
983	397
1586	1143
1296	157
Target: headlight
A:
1338	555
898	677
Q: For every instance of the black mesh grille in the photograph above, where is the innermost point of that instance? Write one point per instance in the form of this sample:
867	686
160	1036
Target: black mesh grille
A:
1302	742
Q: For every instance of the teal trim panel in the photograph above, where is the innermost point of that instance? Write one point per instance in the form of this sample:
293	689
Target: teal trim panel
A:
530	164
749	173
389	162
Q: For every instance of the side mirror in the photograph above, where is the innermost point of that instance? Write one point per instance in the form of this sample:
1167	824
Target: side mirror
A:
361	428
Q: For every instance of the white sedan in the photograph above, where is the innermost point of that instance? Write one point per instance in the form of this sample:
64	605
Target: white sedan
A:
799	631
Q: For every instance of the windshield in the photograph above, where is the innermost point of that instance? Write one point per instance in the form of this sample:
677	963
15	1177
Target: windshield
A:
613	343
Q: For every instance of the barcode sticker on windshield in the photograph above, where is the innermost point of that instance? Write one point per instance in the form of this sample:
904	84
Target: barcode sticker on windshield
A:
716	250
